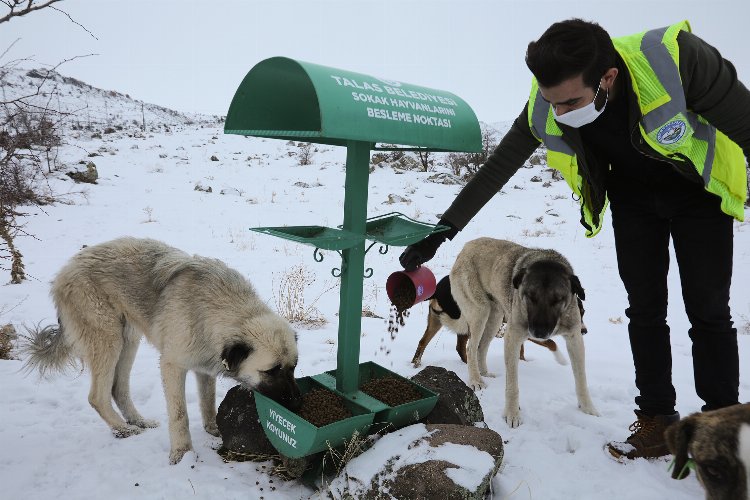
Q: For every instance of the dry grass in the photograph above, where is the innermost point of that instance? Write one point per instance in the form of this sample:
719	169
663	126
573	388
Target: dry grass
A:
335	460
7	336
536	233
744	328
289	295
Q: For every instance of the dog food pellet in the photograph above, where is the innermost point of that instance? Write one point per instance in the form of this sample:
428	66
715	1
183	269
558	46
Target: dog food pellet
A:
403	298
321	407
396	319
391	390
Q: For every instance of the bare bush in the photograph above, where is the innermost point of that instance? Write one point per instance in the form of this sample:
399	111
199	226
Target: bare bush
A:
465	165
29	138
458	163
305	153
289	295
7	336
426	159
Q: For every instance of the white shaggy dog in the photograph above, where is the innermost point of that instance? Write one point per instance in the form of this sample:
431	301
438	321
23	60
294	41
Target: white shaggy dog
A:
201	315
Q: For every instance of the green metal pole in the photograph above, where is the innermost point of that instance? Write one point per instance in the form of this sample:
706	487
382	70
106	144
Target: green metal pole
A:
352	267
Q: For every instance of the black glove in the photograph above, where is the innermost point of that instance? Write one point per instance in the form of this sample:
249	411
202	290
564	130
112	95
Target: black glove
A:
420	252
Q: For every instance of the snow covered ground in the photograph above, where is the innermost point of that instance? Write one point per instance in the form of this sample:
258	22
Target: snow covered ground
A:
53	445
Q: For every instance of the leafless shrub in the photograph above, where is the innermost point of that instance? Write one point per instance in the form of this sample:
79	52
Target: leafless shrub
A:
289	295
7	336
426	159
465	165
29	138
458	163
305	153
399	158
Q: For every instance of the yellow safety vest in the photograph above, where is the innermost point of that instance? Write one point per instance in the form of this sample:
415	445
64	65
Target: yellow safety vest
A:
652	58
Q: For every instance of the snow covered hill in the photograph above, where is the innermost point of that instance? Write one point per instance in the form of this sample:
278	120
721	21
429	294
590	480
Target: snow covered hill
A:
90	107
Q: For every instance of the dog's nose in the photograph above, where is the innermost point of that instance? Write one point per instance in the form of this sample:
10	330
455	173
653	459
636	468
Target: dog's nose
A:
541	333
293	404
293	399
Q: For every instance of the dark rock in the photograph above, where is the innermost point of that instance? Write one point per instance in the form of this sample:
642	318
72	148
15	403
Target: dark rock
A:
394	475
457	403
89	176
240	428
243	438
428	480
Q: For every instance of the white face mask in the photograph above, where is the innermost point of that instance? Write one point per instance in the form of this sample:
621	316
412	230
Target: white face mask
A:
582	116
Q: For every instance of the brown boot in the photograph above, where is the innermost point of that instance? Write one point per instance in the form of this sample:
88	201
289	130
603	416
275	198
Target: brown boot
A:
647	440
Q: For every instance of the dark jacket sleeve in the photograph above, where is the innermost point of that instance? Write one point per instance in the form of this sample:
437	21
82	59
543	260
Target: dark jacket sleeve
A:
510	155
712	89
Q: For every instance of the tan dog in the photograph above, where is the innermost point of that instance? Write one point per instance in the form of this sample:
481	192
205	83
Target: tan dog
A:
535	291
442	308
198	313
718	442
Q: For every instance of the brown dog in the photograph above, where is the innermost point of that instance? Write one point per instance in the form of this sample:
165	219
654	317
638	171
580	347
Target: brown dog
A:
718	444
445	312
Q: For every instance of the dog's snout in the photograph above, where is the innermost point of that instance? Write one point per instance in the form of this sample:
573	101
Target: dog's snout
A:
541	326
294	400
284	390
541	333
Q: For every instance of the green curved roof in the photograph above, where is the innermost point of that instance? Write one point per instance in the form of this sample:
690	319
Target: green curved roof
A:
288	99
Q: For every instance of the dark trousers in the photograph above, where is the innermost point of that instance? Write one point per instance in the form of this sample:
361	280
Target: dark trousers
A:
702	236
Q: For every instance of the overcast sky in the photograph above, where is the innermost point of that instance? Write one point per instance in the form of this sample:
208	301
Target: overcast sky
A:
191	55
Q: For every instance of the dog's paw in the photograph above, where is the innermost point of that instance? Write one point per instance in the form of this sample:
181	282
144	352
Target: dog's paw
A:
560	357
126	431
144	423
212	429
513	418
489	374
175	456
477	385
589	409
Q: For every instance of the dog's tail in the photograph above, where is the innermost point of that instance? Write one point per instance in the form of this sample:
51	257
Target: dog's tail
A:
47	351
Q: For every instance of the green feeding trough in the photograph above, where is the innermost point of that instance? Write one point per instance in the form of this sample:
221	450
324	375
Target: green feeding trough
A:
295	437
386	416
283	98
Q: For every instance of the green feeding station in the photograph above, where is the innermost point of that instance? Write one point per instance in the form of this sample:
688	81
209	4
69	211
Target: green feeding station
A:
282	98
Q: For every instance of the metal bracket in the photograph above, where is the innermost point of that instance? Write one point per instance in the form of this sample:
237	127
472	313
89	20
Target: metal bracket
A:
335	272
382	251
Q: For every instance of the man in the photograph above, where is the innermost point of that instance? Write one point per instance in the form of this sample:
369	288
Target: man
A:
657	125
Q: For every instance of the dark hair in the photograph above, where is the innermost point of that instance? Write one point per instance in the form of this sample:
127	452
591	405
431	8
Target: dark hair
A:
570	48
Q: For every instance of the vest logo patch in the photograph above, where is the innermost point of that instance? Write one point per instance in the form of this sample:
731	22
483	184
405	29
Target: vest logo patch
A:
671	132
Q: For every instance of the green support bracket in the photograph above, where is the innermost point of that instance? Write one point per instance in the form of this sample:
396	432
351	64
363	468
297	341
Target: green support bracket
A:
350	308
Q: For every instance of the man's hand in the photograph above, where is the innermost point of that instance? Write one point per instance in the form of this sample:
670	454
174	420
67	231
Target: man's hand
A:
420	252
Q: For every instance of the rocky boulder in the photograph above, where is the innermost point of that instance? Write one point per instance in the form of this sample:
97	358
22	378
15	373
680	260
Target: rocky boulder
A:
457	403
423	462
239	425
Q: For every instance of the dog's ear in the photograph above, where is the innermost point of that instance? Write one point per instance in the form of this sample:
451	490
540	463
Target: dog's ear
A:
233	355
575	285
518	278
678	436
